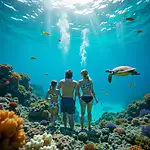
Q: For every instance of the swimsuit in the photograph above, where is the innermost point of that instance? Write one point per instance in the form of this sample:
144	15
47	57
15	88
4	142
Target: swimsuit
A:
54	104
88	98
67	105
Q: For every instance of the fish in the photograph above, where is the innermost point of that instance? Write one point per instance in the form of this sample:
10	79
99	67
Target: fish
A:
101	103
134	113
130	19
131	85
46	33
139	31
59	40
32	58
107	94
46	74
7	82
102	89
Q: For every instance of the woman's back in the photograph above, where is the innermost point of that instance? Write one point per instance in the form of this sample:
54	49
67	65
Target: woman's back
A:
86	86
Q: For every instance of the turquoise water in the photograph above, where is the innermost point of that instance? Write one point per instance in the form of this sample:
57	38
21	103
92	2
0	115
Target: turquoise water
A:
90	34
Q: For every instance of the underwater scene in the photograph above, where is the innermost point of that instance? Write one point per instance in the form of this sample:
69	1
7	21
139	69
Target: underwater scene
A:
74	75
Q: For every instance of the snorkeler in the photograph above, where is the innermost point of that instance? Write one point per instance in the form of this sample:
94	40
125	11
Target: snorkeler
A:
67	103
86	99
53	93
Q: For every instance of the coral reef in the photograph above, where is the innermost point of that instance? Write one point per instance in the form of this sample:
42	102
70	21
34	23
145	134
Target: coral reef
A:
146	131
109	116
135	147
144	142
25	80
111	126
38	90
11	131
144	112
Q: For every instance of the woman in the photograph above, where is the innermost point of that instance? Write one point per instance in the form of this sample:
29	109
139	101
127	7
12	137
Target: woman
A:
53	93
86	99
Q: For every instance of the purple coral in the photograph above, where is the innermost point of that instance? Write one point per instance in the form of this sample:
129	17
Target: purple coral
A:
110	126
144	112
146	130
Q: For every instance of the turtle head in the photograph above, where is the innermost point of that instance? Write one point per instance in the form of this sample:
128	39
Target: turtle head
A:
109	71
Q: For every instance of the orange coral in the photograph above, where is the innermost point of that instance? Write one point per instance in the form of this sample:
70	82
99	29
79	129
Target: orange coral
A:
119	131
89	147
147	97
135	147
12	134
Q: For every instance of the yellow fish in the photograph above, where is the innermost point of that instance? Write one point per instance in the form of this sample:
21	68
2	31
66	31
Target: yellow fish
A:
32	58
107	94
46	33
131	85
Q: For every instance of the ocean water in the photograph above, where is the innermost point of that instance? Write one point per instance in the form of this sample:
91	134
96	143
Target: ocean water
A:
83	34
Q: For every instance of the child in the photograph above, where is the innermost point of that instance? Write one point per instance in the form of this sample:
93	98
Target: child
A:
53	93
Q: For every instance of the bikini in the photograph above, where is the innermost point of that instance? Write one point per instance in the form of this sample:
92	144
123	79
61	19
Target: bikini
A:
54	104
89	98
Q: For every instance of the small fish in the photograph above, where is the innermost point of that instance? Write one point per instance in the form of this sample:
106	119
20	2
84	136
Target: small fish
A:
131	85
139	31
134	113
46	74
101	103
7	82
59	40
107	94
32	58
130	19
102	89
46	33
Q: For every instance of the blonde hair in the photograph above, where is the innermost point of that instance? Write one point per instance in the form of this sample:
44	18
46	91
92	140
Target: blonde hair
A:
85	74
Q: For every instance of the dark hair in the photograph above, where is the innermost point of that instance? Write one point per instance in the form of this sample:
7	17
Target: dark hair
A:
68	74
53	84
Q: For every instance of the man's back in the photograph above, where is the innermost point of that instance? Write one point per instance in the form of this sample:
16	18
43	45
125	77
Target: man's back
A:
68	86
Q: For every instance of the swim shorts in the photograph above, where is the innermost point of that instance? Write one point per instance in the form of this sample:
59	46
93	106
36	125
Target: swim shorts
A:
67	105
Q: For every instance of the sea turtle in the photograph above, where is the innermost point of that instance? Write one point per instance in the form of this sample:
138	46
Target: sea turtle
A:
121	71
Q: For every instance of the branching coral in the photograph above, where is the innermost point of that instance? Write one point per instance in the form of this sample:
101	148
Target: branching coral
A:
12	134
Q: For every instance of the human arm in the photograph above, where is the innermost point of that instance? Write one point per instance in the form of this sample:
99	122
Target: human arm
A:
59	85
93	92
47	95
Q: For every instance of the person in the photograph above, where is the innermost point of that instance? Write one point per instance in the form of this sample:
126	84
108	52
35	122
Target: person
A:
53	93
86	99
69	93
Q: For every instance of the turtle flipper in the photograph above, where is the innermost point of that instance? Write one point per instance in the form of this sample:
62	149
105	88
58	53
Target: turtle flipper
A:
110	78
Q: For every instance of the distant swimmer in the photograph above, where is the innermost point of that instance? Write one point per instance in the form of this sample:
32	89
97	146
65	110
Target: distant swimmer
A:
121	71
32	58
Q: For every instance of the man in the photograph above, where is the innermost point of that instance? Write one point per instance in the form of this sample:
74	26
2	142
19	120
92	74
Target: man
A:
69	92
